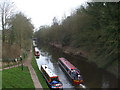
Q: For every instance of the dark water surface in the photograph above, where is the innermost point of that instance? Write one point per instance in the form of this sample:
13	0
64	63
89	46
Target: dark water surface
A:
93	76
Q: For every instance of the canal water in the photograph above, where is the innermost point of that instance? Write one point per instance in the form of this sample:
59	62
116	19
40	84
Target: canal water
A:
93	76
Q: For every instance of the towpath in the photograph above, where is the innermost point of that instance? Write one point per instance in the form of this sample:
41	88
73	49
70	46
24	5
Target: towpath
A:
32	72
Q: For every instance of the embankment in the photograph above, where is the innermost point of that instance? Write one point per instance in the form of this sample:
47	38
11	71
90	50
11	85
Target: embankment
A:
39	74
111	67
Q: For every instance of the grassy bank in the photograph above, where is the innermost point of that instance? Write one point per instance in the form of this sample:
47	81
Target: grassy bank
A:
16	78
100	60
38	72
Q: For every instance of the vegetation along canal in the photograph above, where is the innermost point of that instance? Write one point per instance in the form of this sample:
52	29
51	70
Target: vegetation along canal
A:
93	76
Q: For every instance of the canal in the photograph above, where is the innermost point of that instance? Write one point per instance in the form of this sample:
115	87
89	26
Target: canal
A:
93	76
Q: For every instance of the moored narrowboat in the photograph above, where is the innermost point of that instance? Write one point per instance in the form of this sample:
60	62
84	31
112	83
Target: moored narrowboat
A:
34	44
72	72
36	52
51	78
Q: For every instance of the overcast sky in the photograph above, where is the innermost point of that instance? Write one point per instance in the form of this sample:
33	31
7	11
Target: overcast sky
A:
42	12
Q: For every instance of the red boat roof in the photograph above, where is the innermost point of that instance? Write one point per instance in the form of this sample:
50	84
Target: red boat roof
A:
67	63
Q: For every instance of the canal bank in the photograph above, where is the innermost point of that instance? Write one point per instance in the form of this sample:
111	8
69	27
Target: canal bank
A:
94	77
38	73
111	67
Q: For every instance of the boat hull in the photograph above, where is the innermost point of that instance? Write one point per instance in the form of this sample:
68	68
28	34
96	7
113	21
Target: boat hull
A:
75	82
68	76
37	56
46	81
49	85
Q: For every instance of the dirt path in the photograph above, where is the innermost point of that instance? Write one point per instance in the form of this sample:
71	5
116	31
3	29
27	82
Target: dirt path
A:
10	67
32	72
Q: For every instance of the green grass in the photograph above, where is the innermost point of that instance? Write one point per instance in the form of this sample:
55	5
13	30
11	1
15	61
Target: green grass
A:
0	80
16	78
39	74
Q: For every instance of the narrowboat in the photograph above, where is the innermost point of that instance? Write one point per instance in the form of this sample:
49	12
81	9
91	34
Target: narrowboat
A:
71	71
51	78
34	44
36	52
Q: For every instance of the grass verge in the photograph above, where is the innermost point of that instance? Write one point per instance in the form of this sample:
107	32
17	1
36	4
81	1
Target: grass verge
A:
0	80
16	78
39	74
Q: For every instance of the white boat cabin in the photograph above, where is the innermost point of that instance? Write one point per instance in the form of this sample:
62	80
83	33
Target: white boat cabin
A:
49	71
36	49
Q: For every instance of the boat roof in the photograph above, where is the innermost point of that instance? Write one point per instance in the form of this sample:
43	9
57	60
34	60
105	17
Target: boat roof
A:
49	71
34	43
67	63
36	49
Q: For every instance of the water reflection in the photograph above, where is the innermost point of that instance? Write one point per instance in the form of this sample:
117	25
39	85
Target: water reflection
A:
46	59
93	76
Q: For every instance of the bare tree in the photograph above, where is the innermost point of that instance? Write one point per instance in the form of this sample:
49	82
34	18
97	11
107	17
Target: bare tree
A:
6	10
